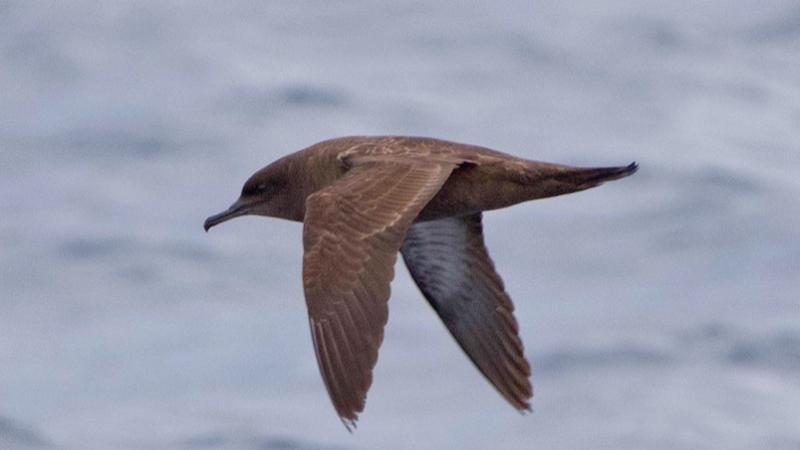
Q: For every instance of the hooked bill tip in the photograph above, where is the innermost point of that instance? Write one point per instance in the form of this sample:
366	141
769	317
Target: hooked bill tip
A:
215	220
236	210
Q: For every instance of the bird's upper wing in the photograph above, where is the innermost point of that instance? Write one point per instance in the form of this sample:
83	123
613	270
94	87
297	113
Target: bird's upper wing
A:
352	232
448	260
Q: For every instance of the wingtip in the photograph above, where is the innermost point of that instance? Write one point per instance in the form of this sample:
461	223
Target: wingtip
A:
525	407
349	424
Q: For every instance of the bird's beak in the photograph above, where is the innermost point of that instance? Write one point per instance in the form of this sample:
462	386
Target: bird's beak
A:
237	209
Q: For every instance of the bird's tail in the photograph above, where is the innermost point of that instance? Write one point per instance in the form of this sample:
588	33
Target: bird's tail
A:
550	180
594	177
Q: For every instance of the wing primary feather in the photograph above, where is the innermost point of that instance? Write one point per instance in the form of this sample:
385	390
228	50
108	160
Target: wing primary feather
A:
326	368
347	399
352	232
449	262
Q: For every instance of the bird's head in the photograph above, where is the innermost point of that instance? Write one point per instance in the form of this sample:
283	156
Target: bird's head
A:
265	193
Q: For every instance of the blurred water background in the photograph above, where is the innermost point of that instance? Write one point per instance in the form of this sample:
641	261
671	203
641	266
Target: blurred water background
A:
658	312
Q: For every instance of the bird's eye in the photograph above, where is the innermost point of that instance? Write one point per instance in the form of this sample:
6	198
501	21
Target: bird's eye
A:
254	189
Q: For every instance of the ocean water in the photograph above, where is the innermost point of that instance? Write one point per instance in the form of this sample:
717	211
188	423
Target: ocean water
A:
658	312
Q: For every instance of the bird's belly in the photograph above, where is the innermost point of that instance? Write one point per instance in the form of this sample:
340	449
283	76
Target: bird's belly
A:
470	191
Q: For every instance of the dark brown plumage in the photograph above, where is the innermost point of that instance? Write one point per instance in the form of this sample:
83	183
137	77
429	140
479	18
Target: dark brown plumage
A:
363	199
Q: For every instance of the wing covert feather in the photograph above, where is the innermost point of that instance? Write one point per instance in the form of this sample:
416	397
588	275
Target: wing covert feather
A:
449	262
352	232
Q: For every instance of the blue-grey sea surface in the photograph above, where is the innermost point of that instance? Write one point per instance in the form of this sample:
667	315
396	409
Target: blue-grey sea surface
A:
658	312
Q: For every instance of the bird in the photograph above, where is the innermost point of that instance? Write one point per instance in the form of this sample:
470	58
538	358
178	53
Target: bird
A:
364	199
